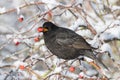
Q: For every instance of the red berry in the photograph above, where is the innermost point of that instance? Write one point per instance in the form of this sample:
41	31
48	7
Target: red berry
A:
36	39
22	67
17	43
81	76
72	69
20	19
40	29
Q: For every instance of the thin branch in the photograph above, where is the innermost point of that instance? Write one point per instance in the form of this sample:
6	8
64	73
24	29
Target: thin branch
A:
23	6
59	75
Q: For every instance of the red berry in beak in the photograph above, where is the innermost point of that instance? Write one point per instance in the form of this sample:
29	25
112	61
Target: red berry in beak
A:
40	29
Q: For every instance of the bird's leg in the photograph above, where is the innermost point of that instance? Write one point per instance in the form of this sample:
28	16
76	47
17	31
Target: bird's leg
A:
94	65
98	68
80	59
74	60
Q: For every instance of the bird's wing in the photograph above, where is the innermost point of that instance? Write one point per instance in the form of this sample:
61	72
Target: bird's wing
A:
72	40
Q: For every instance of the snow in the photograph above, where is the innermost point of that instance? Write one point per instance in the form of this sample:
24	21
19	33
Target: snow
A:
107	26
72	75
77	23
50	3
112	33
115	7
106	48
58	69
18	63
91	72
18	10
2	9
95	42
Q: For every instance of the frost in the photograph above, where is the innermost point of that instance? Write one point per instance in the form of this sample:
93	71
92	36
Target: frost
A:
58	69
36	56
50	3
91	72
116	7
53	2
28	41
43	48
88	59
18	10
74	76
16	40
82	74
2	9
77	23
39	62
106	48
9	36
95	42
18	63
21	16
111	34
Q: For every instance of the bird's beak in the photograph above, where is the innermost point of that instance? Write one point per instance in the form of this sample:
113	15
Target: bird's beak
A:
45	29
42	29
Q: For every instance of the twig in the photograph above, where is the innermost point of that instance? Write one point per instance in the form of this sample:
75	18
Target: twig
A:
73	13
57	74
84	17
23	6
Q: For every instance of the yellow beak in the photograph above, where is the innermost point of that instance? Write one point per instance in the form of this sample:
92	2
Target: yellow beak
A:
45	29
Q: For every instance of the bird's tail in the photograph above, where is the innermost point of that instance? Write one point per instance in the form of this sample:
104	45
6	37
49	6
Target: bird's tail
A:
91	55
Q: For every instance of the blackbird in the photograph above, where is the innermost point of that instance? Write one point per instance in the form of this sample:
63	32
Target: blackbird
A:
65	43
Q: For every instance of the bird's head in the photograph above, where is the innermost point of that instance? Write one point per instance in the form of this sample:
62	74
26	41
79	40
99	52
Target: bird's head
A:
48	26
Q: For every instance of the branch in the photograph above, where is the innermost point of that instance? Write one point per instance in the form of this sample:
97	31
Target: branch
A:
23	6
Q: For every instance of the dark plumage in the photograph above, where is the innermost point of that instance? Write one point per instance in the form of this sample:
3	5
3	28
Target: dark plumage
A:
65	43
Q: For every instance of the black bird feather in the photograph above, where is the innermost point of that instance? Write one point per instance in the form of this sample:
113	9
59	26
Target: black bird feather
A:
66	44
